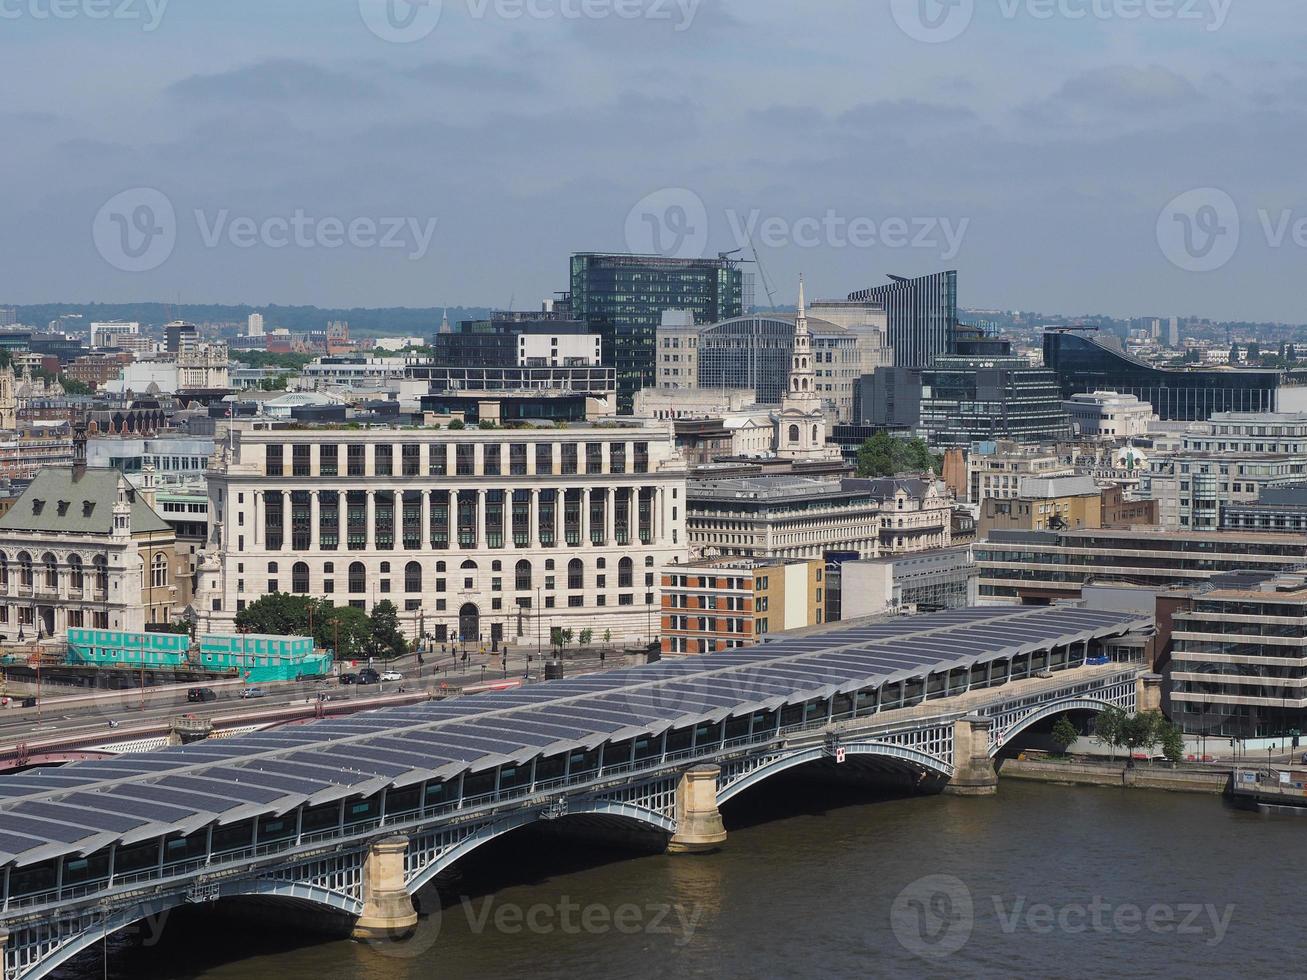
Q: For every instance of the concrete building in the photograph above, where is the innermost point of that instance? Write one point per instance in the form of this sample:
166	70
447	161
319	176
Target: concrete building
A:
171	457
83	548
1281	509
1045	504
780	517
255	325
1230	459
486	534
710	606
1108	415
103	333
997	469
692	403
1039	567
916	513
966	399
203	367
350	371
1238	662
942	578
29	450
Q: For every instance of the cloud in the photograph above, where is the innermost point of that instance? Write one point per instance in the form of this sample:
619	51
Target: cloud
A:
274	80
1123	93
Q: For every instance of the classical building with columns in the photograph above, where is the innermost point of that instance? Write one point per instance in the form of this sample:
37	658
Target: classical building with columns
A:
481	534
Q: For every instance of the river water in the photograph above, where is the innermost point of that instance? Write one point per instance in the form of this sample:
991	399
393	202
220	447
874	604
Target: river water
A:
1040	881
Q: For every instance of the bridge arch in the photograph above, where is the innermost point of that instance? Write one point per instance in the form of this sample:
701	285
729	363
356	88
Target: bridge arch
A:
441	858
1003	737
910	757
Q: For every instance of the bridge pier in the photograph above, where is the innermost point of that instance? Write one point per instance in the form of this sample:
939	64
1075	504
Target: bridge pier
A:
388	912
699	827
975	774
1148	693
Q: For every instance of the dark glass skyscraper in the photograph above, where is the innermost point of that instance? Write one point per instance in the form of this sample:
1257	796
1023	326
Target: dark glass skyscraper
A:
921	313
1083	363
622	298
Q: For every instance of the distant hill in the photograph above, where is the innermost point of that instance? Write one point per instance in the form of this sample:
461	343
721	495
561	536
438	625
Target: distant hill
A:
298	319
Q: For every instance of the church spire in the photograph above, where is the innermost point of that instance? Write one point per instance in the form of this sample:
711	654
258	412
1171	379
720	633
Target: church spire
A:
802	386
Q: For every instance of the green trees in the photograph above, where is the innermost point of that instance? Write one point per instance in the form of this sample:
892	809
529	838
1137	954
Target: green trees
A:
1064	734
359	634
884	455
587	637
1140	732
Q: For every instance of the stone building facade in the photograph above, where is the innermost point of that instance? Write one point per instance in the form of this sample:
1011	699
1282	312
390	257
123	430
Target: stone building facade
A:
480	534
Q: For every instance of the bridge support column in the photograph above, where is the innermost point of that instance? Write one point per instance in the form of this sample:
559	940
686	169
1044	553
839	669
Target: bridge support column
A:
975	775
388	912
699	826
1148	693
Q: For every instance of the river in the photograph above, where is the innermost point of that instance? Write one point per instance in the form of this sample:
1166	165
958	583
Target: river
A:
1041	881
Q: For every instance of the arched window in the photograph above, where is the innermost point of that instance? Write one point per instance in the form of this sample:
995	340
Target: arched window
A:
794	434
51	571
468	566
575	574
159	570
100	565
413	577
625	573
358	578
299	578
4	572
24	570
76	573
522	575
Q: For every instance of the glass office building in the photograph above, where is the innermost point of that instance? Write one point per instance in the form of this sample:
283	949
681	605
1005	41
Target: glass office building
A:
1083	363
921	315
971	399
623	297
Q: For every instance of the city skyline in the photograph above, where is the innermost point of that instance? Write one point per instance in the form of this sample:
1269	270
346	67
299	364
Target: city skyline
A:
1058	185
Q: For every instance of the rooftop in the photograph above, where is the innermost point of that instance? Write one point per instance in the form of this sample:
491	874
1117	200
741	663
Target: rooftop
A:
62	501
84	807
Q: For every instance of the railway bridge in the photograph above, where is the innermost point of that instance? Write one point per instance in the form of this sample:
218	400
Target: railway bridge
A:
355	815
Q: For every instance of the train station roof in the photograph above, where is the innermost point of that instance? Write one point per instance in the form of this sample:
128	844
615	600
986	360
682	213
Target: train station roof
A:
80	808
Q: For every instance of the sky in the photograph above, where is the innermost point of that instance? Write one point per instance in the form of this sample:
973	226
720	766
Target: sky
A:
1129	157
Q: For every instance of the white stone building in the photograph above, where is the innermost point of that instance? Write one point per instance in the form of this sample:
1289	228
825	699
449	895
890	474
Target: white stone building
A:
481	533
1109	415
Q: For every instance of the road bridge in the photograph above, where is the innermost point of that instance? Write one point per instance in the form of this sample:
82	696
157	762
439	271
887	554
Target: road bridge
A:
355	815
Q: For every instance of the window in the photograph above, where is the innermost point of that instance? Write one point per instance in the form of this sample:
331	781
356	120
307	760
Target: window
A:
358	577
439	462
159	570
76	576
465	459
522	576
493	466
300	464
413	577
299	578
329	460
384	460
356	460
412	459
575	574
625	573
273	460
24	570
51	572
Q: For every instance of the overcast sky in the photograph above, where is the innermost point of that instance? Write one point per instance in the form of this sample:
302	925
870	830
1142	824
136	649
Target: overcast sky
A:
1119	156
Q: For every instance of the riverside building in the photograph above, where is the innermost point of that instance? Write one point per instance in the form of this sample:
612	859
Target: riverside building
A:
479	534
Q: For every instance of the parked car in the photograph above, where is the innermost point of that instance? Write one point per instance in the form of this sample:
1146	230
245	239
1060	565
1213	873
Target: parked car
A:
199	695
369	676
349	678
391	675
254	692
